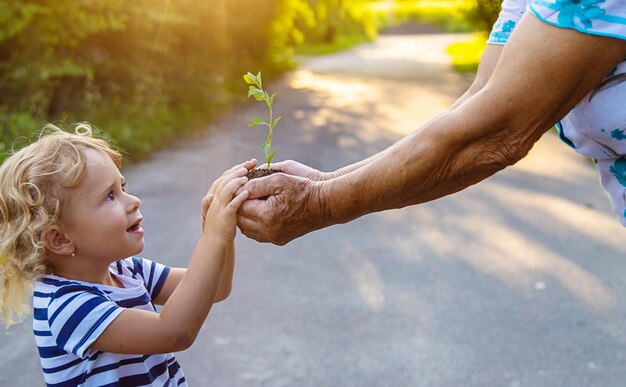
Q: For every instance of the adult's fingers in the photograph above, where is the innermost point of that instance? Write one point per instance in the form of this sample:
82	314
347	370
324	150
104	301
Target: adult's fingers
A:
266	186
280	165
250	226
251	209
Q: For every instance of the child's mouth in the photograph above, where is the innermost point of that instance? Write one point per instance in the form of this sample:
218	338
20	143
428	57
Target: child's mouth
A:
136	227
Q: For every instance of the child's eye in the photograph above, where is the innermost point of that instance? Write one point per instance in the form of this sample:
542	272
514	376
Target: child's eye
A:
110	196
124	187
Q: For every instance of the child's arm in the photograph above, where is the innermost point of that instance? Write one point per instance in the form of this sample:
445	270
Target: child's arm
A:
176	274
226	280
175	328
171	282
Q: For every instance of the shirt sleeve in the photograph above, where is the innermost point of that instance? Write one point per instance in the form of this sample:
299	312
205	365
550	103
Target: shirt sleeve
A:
595	17
512	12
152	274
78	316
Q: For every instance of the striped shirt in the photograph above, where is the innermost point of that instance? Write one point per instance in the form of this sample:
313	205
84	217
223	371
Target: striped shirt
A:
596	126
69	315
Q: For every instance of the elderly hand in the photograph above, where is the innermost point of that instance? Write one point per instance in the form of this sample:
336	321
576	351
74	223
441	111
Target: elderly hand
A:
281	208
295	168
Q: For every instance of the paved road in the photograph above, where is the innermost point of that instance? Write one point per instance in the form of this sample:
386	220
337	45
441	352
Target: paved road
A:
518	281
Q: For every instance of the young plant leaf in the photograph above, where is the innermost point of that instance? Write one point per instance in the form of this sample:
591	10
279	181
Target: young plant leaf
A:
276	121
270	157
257	121
258	94
256	90
249	78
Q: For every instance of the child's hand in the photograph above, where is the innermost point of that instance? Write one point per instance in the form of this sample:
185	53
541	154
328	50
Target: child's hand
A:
220	205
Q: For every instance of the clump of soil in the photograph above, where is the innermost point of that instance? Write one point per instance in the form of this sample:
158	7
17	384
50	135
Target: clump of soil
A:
261	172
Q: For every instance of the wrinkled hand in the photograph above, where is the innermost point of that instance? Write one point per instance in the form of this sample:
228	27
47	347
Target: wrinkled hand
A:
281	208
295	168
224	198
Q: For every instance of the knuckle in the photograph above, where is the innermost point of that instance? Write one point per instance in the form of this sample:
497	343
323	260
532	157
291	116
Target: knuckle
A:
281	179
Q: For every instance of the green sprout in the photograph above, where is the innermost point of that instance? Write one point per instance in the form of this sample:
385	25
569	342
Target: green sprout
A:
256	91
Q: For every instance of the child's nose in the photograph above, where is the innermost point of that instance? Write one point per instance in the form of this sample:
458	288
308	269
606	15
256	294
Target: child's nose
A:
134	203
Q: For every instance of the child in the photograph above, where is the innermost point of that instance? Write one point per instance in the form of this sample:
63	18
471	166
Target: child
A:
68	224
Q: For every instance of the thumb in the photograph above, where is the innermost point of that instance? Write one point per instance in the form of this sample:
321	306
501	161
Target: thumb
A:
280	165
264	186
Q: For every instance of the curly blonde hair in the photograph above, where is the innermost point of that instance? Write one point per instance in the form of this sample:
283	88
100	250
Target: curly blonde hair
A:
33	182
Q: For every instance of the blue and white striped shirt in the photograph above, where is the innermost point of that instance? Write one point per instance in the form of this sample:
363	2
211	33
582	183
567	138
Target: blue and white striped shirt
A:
69	315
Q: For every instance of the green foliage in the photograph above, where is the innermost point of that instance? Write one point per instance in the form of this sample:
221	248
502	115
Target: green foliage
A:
148	71
466	55
449	15
256	90
141	70
322	26
482	14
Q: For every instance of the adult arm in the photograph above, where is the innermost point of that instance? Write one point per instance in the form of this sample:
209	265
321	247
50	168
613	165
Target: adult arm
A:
487	64
540	75
485	69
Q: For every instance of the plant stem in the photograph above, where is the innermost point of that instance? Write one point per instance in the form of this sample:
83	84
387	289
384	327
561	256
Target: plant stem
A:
271	126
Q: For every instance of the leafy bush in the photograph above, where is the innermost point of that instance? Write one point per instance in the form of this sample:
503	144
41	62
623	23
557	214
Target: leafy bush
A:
140	70
482	14
147	71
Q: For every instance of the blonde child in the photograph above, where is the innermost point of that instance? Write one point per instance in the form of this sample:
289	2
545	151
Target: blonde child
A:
68	226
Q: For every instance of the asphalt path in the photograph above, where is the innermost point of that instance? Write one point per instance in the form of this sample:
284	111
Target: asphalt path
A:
517	281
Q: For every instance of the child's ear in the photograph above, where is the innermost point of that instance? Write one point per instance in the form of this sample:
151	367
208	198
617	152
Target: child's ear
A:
55	241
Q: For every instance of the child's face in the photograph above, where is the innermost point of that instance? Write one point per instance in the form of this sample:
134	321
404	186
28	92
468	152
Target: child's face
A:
101	219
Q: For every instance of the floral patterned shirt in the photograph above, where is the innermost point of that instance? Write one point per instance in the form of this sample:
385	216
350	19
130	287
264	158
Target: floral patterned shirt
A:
596	127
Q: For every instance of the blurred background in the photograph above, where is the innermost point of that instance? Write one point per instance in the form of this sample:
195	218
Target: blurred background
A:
517	281
147	71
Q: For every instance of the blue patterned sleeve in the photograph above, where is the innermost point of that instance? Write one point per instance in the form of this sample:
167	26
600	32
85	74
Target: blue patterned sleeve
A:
512	12
595	17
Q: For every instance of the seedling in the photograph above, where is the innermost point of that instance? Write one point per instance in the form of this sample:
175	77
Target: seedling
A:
256	90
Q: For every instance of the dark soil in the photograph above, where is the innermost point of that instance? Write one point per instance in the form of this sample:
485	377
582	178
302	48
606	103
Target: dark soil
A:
256	173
